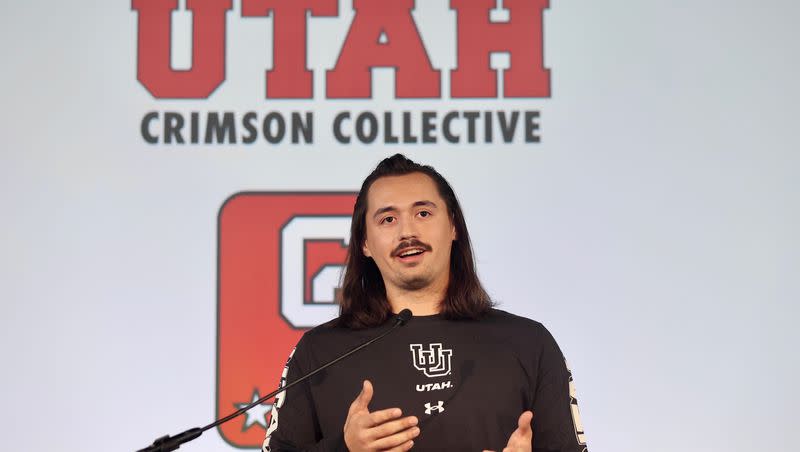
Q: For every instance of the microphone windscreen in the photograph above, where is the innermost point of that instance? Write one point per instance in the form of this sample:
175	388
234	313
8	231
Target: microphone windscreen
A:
404	316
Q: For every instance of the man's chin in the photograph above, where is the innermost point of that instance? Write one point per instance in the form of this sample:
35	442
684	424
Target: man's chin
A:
415	283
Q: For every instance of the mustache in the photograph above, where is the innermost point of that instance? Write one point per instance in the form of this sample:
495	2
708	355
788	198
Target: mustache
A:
413	243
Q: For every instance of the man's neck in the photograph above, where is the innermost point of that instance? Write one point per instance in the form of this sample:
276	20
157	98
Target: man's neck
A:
426	301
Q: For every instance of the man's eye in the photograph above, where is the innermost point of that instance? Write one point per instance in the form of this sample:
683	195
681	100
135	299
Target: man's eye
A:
424	214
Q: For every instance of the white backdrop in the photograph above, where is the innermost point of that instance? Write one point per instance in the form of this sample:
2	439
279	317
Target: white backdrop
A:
653	230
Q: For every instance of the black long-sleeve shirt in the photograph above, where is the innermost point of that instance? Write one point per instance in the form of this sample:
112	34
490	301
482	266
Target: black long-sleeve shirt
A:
466	381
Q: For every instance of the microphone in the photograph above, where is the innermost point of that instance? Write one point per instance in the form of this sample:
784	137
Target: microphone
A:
167	443
403	317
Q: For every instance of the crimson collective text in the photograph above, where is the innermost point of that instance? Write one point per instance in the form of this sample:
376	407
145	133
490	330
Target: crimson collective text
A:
346	127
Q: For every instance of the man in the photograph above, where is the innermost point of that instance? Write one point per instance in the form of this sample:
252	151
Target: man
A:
459	376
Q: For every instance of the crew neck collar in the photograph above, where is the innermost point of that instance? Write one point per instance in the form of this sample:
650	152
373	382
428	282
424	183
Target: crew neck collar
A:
426	318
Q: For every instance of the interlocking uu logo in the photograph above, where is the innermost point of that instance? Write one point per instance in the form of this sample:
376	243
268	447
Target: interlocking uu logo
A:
433	361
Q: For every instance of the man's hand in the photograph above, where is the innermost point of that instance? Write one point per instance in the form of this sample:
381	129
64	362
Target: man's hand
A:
522	438
379	430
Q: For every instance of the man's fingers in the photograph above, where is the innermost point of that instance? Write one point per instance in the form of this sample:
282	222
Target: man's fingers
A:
521	438
399	438
366	394
524	422
379	417
387	428
364	397
403	447
523	435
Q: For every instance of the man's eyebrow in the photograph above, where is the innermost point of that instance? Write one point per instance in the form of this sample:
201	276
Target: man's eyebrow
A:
383	210
423	203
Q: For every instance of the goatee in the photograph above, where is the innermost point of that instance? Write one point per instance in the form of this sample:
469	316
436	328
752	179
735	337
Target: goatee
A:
415	283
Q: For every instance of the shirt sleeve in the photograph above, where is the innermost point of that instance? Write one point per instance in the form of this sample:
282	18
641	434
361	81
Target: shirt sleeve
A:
557	423
293	422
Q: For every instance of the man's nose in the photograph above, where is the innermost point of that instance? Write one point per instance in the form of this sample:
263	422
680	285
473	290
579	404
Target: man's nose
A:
408	229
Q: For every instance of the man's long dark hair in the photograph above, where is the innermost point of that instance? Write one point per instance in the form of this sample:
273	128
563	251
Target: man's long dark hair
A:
363	301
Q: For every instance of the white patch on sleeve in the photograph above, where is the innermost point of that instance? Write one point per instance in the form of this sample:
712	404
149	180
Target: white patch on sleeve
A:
573	406
279	400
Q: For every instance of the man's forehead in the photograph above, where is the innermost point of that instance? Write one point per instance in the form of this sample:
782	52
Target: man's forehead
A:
402	191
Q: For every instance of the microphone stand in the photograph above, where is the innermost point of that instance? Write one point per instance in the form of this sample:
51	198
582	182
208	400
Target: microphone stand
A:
169	443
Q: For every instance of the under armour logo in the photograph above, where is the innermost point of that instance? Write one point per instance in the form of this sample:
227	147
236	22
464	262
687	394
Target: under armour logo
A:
439	407
433	362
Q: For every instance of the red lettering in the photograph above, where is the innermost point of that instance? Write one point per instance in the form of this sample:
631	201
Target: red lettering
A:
289	77
383	34
154	69
521	36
